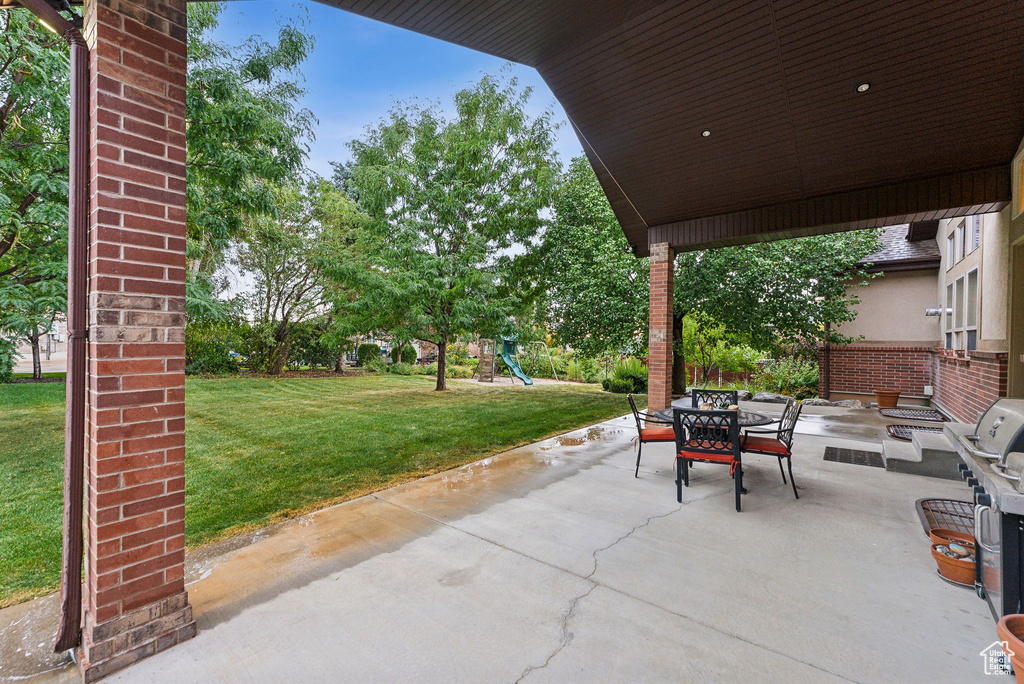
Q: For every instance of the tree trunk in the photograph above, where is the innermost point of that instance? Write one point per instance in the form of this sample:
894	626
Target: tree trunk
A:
678	358
339	366
37	366
442	357
281	349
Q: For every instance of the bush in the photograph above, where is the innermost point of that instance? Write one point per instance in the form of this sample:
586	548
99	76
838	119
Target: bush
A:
367	352
450	371
312	345
376	365
793	377
7	353
208	349
619	385
633	370
408	355
402	368
457	354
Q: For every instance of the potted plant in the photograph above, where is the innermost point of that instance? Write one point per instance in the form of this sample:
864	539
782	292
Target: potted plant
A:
1010	629
887	398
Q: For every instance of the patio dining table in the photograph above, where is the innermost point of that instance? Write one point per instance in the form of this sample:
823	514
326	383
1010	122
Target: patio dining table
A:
745	419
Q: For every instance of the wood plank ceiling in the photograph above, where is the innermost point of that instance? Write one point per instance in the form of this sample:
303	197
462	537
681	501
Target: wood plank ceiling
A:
794	148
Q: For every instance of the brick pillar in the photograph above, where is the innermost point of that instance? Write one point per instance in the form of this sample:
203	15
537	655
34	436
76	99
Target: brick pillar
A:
135	600
659	362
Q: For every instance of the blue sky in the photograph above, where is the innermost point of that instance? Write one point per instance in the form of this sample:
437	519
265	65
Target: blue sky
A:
359	67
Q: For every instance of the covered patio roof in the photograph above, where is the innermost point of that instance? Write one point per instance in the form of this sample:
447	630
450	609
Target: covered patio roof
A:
793	147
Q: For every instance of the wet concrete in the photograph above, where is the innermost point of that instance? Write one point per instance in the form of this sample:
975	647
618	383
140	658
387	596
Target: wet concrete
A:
552	562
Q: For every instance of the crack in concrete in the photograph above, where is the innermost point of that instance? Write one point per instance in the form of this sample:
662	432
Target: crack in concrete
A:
564	635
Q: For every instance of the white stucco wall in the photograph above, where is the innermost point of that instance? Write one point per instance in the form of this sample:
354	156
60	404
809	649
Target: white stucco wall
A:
891	310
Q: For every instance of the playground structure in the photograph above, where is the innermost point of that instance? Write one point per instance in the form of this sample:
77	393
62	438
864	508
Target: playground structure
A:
508	350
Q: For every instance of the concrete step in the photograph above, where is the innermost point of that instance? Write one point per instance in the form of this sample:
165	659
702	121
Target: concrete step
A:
931	461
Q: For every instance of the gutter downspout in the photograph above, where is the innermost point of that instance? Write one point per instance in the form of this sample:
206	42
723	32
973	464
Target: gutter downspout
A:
70	629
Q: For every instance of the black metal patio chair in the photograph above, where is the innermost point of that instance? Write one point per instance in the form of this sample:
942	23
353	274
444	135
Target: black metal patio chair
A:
778	443
657	430
711	436
719	398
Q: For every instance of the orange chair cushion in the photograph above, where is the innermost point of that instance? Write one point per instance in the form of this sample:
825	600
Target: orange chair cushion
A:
700	455
772	446
659	434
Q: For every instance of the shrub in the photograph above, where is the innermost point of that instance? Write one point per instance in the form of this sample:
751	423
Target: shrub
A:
408	355
633	370
312	345
7	353
367	352
450	371
457	354
208	349
402	368
619	385
376	365
794	377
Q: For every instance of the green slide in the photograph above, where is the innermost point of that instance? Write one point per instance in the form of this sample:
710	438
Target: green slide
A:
514	367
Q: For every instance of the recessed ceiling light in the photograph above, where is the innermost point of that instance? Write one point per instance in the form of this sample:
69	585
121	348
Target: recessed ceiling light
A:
705	133
863	87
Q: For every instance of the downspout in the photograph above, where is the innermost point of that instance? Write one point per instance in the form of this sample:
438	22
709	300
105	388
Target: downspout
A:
70	629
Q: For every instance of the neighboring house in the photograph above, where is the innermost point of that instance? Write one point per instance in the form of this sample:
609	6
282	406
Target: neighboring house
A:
933	324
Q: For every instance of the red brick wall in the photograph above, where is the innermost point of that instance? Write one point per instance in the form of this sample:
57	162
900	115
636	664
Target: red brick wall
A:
659	362
962	385
135	602
865	369
965	386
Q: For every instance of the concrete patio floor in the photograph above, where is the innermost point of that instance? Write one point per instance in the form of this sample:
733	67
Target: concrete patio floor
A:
552	563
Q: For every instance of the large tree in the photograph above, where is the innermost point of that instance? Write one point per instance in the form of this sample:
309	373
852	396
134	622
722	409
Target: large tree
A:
288	257
596	292
449	199
766	295
246	135
34	120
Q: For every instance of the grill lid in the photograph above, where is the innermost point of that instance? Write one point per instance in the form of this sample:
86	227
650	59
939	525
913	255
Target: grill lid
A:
1000	430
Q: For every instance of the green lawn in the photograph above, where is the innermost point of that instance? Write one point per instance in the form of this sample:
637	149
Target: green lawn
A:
260	449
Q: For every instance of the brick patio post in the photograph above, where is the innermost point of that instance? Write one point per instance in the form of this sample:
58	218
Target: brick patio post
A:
659	362
134	594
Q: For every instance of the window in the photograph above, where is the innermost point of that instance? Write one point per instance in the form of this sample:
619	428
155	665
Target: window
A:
974	238
961	315
961	240
950	251
971	308
948	316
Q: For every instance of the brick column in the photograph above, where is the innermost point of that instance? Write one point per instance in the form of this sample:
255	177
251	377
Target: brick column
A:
659	361
134	594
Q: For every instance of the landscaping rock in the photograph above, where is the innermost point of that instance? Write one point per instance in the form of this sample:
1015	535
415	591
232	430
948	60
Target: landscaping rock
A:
743	395
849	403
815	401
771	398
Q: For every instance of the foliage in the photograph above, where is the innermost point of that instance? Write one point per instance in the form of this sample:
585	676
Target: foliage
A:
288	256
376	364
34	121
7	355
246	133
628	377
208	348
450	371
790	376
313	345
458	354
708	345
772	294
596	290
401	368
405	353
367	352
448	199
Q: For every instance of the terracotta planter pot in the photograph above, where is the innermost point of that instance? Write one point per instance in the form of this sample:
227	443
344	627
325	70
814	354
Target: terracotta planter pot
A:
887	398
939	535
955	569
1010	630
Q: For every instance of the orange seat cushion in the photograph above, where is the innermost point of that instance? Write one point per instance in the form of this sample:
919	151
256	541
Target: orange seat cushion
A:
700	455
658	434
772	446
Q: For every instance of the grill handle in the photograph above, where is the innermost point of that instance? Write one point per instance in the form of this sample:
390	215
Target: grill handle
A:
979	528
965	442
1002	473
